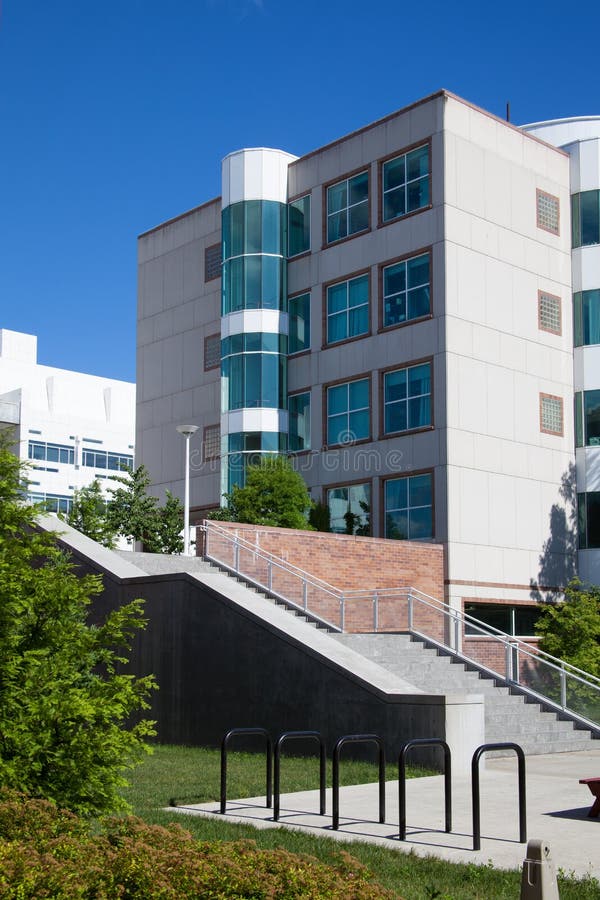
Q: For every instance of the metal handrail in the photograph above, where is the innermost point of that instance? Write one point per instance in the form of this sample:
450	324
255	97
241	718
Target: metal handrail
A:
456	620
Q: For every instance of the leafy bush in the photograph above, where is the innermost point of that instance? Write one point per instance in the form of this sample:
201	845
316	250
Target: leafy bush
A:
46	852
66	707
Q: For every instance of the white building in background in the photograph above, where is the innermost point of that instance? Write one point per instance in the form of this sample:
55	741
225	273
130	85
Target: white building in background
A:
69	426
580	138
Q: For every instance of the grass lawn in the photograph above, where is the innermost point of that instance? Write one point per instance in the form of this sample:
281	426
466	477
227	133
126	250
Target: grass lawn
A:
192	775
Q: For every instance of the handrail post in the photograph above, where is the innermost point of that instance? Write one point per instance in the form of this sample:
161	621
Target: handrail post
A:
375	612
563	686
456	633
305	594
270	574
516	666
342	613
410	611
508	661
236	555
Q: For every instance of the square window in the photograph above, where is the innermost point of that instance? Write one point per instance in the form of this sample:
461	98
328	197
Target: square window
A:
408	507
406	290
348	309
348	412
212	351
348	207
407	398
551	414
350	509
548	212
549	313
406	183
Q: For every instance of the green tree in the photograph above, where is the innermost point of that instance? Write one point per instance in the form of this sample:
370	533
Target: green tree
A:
570	629
132	512
170	523
274	494
89	514
65	703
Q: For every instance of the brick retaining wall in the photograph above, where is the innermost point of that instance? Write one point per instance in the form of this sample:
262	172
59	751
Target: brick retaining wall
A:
346	562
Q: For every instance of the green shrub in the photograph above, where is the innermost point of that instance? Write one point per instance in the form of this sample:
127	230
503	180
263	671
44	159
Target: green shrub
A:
46	852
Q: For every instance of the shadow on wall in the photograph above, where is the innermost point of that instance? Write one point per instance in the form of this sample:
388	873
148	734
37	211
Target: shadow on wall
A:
558	558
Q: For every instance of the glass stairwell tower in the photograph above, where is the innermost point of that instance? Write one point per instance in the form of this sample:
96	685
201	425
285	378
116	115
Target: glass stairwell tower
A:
254	319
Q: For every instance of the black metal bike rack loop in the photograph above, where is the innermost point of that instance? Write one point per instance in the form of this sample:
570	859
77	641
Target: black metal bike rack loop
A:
424	742
475	790
298	735
247	731
355	739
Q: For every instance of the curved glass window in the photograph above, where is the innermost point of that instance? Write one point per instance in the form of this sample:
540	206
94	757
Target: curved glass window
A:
253	381
254	226
254	282
254	342
247	449
585	218
586	315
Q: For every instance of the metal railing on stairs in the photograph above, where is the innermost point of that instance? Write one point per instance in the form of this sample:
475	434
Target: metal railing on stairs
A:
406	609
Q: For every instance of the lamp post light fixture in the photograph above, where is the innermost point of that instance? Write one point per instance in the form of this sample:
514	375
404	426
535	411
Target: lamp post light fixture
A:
187	431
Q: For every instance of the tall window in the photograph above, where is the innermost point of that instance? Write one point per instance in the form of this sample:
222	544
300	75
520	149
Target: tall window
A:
588	506
350	509
406	183
299	226
347	207
585	218
299	319
406	290
348	413
587	419
299	422
586	316
348	309
409	507
407	398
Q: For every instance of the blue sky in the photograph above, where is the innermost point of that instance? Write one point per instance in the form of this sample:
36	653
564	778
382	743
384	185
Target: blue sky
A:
115	114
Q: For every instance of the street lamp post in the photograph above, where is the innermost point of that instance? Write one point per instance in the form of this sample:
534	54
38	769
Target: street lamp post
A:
187	431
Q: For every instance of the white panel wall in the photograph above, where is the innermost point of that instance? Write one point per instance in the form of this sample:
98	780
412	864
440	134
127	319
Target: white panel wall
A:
504	475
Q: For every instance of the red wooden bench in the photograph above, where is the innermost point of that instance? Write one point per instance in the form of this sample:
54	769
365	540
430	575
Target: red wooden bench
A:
594	786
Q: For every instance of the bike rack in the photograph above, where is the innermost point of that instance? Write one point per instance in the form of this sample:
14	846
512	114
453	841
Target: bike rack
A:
424	742
294	735
475	790
232	733
357	738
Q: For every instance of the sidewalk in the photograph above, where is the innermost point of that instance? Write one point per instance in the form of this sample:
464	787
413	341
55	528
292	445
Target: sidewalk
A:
557	807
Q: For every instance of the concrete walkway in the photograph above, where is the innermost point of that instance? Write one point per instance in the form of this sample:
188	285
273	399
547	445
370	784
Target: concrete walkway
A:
557	807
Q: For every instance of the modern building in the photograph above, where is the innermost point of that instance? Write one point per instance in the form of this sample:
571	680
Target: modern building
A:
69	426
393	309
580	138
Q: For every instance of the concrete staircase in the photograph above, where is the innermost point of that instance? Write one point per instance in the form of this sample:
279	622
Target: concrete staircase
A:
509	715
